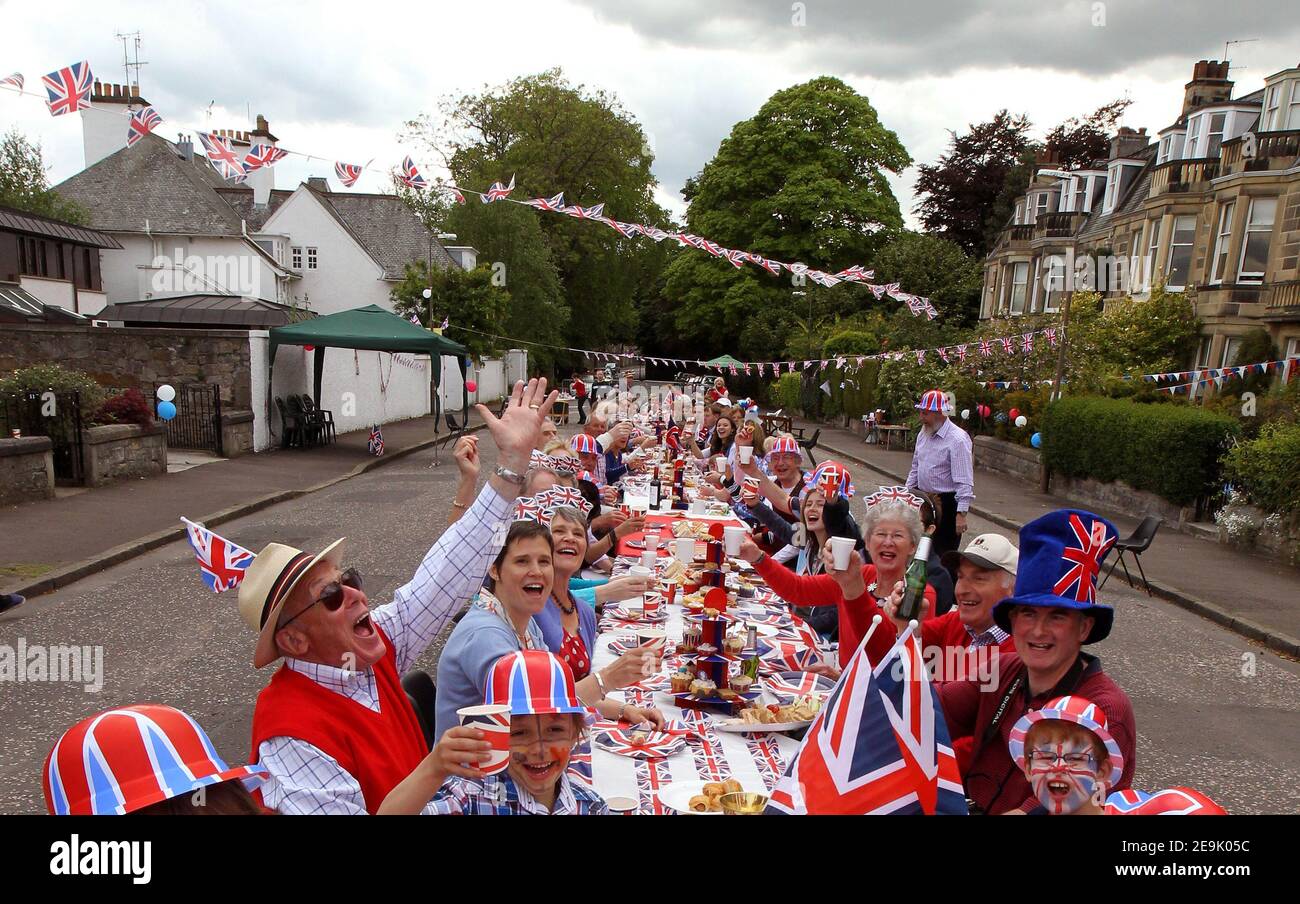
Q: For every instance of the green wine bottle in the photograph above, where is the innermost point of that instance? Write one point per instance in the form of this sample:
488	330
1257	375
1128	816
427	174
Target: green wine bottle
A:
914	595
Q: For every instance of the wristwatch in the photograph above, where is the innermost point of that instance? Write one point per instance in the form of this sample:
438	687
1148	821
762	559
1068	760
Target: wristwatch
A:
509	476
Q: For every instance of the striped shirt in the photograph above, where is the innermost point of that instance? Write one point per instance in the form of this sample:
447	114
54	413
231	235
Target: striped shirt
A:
498	795
306	780
943	463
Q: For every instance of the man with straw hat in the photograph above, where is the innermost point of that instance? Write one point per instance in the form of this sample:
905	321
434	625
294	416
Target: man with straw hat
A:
334	728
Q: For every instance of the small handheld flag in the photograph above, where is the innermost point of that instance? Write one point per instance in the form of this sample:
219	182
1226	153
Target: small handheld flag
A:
376	444
221	563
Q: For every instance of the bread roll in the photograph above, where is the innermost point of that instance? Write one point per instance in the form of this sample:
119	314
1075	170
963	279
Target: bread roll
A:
714	789
699	804
732	786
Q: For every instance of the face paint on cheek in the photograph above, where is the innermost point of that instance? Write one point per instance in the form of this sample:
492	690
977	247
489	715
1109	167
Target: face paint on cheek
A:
1061	786
560	755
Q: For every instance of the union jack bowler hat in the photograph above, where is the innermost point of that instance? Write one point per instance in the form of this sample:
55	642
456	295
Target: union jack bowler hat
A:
533	683
125	759
787	444
933	400
266	586
584	444
1061	555
1079	710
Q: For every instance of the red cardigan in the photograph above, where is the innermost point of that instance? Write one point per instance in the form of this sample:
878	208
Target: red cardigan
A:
378	749
855	614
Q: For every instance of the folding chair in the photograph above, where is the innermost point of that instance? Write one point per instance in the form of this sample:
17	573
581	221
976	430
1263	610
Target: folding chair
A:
1136	543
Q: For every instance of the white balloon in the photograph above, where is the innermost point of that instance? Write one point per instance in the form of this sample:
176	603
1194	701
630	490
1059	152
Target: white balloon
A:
1021	421
965	414
166	393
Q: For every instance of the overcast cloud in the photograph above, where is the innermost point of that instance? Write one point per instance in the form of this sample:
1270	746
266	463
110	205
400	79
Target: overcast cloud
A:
339	85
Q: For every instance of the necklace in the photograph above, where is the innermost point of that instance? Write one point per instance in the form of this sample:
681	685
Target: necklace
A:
567	610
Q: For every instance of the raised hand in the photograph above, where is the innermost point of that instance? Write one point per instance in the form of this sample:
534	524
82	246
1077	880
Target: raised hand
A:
466	455
515	433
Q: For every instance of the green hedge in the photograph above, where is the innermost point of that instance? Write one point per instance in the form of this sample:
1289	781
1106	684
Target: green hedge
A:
1267	469
1170	450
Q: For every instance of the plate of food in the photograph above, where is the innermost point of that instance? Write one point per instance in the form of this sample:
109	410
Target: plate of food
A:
700	798
639	743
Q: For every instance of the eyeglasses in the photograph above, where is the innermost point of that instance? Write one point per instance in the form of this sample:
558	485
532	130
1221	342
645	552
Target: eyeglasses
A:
1045	757
331	597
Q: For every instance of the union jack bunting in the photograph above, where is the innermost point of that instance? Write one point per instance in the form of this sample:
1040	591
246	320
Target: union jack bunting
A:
16	79
221	563
262	155
627	230
555	204
1085	559
375	444
713	248
586	213
879	745
878	291
222	156
1050	334
654	232
855	274
920	356
895	494
943	353
498	192
142	122
527	508
564	465
347	173
961	352
410	174
737	258
771	266
570	497
68	88
931	312
894	289
986	348
1027	343
1008	344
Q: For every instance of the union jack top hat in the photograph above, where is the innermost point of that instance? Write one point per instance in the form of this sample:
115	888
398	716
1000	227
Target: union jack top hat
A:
1061	555
585	445
785	444
125	759
933	400
533	683
1080	711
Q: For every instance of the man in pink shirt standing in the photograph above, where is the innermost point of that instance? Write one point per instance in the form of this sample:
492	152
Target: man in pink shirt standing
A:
943	466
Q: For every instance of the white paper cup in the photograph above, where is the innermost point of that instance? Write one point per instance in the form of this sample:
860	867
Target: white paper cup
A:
648	559
640	571
699	506
731	537
720	464
622	806
746	453
685	549
840	549
494	721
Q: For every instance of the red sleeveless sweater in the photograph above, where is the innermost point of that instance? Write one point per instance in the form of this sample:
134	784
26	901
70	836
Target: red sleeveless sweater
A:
378	749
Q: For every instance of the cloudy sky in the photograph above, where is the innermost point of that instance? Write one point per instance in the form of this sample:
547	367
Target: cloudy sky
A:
338	80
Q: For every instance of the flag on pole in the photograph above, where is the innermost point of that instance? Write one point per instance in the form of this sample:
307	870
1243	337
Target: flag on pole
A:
375	445
141	124
68	88
221	563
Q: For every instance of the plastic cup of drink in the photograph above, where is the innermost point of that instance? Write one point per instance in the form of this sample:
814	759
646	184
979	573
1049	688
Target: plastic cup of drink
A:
746	453
654	638
720	464
699	506
840	549
731	539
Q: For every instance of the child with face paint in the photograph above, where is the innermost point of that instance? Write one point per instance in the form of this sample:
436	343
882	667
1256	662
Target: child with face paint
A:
547	722
1068	756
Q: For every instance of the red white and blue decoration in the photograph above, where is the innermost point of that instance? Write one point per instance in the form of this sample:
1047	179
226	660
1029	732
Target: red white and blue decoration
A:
222	564
13	80
541	507
410	174
348	173
498	192
263	155
68	88
1170	802
123	760
879	745
787	687
832	478
933	400
640	744
1081	712
222	156
143	121
582	444
894	494
533	683
375	444
564	465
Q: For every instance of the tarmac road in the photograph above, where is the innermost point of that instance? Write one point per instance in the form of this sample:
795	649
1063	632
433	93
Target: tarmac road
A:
1214	711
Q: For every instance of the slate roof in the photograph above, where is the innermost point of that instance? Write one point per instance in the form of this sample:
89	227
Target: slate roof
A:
14	220
386	228
1138	191
202	309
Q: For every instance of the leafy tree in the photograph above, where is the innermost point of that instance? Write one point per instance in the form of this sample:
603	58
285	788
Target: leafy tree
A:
468	298
936	268
23	184
803	180
958	191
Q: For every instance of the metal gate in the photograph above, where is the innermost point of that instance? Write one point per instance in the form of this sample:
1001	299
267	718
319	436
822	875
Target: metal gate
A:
197	424
53	414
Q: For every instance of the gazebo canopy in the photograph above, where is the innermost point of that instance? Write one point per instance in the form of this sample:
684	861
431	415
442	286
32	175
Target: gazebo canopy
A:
724	361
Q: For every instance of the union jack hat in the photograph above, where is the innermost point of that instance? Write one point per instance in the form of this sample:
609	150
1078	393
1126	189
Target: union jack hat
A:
1169	802
584	444
831	477
1079	710
533	683
1061	555
933	400
125	759
785	444
267	585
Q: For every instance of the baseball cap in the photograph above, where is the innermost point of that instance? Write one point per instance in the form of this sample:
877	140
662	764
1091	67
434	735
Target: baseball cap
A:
988	551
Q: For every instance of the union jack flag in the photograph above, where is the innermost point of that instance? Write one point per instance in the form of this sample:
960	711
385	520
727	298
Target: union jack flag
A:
654	232
627	230
879	745
375	445
141	124
564	465
694	240
855	274
580	762
878	291
943	353
68	88
771	266
930	311
786	655
1027	343
1170	802
410	175
961	352
654	745
586	213
1087	556
1050	334
498	192
415	318
553	204
348	173
222	156
221	563
986	348
920	356
1008	344
713	248
798	684
261	155
557	497
895	494
895	290
16	80
527	508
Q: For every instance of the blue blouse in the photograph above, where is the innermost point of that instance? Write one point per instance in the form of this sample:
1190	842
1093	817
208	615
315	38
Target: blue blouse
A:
549	620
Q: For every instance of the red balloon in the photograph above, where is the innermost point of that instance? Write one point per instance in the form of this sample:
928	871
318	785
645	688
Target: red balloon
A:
471	385
309	348
1014	413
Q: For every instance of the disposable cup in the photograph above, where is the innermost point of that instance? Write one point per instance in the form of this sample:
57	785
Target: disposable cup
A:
685	549
494	721
840	549
731	538
746	454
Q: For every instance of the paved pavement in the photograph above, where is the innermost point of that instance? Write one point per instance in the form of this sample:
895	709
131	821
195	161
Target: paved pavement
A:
51	543
1255	596
1214	711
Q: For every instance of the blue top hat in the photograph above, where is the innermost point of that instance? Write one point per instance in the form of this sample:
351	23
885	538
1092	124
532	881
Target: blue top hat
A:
1061	555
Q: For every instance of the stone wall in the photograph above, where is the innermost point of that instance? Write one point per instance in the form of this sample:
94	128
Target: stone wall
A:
26	469
1002	457
122	357
122	452
1121	497
236	433
1250	528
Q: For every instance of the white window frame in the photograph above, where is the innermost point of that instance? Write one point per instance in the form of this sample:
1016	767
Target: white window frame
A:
1203	352
1292	348
1041	204
1272	104
313	259
1253	277
1020	212
1293	109
1080	195
1153	249
1033	298
1230	343
1021	284
1165	144
1223	238
1210	133
1193	137
296	257
1135	283
1169	259
1055	278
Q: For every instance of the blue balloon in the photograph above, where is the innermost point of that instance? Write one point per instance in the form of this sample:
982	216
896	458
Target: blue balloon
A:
1036	440
166	410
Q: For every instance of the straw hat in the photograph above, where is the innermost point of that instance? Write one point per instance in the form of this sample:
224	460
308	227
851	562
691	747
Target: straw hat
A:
268	582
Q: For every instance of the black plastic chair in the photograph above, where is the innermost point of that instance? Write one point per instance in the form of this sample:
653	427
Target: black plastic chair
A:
423	694
1136	543
455	432
324	416
809	444
291	427
313	428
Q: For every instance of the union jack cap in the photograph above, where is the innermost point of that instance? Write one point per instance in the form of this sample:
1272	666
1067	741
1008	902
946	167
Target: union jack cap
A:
533	683
1079	710
785	444
122	760
933	400
584	444
1061	556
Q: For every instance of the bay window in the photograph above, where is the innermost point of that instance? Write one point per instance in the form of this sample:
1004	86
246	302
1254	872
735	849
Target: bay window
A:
1254	247
1019	282
1221	243
1177	271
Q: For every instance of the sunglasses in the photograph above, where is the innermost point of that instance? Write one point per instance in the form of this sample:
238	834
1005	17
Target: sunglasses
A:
331	597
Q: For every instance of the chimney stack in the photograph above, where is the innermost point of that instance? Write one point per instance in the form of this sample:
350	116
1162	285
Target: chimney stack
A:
1209	84
1128	143
185	145
103	128
261	181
